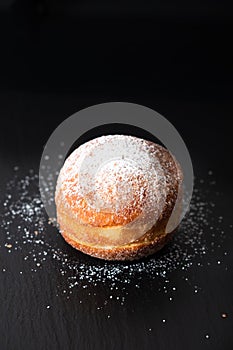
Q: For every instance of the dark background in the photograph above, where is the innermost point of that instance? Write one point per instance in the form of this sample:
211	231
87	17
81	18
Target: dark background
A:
57	57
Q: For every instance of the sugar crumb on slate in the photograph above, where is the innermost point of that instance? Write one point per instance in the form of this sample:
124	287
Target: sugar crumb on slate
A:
26	228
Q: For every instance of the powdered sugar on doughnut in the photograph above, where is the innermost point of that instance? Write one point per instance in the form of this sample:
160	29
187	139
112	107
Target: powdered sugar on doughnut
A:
124	176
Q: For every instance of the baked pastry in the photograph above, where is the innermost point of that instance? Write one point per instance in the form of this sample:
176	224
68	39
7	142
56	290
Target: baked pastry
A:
115	195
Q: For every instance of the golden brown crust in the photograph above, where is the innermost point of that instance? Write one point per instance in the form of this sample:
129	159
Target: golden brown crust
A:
133	251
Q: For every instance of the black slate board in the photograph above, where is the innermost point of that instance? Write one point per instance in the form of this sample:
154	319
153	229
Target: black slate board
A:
40	87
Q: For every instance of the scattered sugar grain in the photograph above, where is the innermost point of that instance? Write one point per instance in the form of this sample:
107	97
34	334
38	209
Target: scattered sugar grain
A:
24	210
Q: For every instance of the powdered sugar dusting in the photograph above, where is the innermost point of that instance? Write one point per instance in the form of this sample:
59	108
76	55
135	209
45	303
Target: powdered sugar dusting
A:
119	175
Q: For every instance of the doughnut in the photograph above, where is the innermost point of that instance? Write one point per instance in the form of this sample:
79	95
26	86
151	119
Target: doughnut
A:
116	196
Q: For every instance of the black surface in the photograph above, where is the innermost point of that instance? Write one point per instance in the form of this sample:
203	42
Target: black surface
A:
57	59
